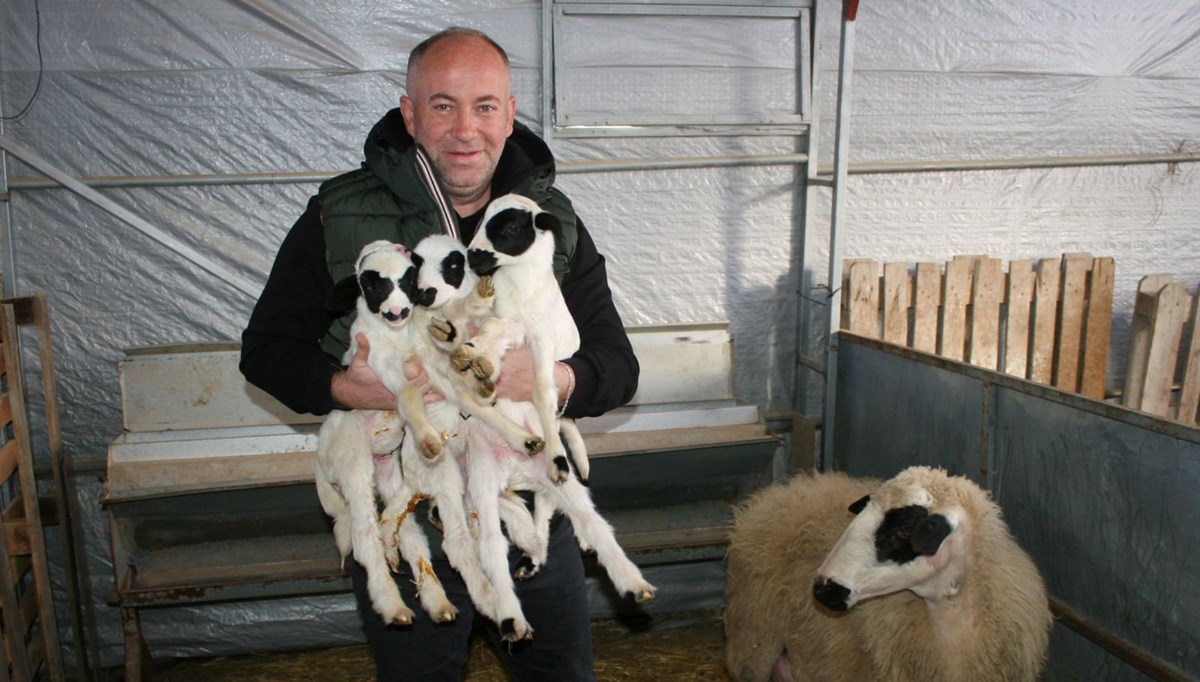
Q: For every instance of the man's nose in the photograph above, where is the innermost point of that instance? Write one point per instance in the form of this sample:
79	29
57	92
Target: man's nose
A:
464	125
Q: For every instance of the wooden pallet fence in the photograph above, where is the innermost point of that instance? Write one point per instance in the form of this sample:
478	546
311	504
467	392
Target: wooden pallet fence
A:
27	618
1047	320
1163	373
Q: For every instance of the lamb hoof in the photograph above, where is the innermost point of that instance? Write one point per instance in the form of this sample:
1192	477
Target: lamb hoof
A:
431	448
534	446
644	595
442	330
485	388
558	470
392	554
483	369
446	615
510	633
403	617
485	287
460	360
526	569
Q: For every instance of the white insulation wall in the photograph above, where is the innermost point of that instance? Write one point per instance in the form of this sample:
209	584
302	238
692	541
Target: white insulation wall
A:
141	88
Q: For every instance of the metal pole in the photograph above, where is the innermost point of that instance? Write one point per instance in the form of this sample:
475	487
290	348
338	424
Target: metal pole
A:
27	155
821	177
841	149
809	366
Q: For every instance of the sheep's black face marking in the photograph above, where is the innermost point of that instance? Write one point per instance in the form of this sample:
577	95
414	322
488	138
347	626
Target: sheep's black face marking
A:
483	262
928	535
375	289
511	231
425	297
408	282
454	269
893	538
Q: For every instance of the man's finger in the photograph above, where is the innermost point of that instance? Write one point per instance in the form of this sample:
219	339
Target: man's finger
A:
364	346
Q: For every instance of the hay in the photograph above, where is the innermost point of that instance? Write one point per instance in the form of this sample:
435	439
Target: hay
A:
686	648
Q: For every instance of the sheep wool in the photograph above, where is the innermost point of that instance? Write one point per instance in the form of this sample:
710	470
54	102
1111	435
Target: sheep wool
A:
919	580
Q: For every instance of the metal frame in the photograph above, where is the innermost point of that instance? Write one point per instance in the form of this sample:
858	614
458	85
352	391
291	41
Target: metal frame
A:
557	120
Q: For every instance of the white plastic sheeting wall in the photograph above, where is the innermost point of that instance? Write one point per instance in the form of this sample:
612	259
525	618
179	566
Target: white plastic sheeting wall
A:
144	88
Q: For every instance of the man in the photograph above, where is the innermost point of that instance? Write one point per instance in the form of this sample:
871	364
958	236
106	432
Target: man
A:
432	166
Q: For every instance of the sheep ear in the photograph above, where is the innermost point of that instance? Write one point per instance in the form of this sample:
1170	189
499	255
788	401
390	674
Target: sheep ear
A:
547	221
928	535
860	504
343	295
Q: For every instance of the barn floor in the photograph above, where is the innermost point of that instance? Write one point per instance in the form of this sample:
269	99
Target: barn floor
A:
682	648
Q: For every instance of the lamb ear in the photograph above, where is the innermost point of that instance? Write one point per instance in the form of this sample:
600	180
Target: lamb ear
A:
343	295
860	504
547	221
928	535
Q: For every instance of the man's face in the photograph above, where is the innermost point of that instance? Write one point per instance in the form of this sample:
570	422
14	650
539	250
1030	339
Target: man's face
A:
461	111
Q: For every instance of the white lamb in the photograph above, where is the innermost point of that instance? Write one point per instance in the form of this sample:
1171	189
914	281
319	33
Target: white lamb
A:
356	461
514	246
430	442
934	584
493	465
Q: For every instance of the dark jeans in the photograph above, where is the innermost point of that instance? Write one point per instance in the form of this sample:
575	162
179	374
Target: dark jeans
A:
554	602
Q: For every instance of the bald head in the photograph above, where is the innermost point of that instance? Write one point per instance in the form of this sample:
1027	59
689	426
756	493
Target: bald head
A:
456	35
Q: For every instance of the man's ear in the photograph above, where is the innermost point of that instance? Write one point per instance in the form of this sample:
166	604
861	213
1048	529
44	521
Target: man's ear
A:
406	110
343	295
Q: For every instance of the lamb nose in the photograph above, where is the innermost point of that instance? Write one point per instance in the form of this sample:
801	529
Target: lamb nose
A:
830	593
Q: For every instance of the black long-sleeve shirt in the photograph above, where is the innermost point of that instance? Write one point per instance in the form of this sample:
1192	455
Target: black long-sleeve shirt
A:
281	351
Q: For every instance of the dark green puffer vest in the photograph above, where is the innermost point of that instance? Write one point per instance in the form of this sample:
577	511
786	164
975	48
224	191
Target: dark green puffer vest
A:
388	199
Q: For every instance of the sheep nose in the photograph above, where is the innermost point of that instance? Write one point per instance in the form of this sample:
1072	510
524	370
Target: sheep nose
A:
830	593
394	316
482	262
426	297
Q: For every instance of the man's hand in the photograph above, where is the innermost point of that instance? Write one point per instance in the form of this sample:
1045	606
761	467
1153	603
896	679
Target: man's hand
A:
357	387
516	379
414	372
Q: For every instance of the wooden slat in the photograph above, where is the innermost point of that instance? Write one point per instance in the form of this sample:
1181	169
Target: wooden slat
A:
1189	392
897	296
847	265
28	609
1068	355
1098	330
9	456
1016	324
1045	318
925	307
863	282
5	410
986	297
1140	331
10	612
16	530
1173	307
959	273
